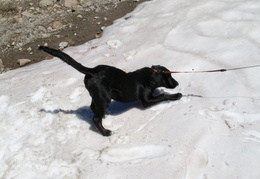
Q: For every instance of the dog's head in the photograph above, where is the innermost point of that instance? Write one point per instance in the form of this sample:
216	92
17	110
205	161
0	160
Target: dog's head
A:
162	79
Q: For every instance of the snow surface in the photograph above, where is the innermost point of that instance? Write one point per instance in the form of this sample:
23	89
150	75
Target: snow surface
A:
45	120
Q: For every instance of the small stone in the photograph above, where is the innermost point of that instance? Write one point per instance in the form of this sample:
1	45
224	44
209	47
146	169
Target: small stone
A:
49	29
79	16
56	6
18	19
19	44
103	28
63	45
1	66
41	28
4	19
59	12
70	3
56	25
99	35
23	62
29	49
27	14
44	35
45	3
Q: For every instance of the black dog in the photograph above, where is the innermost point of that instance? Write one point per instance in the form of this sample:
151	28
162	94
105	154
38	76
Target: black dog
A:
105	83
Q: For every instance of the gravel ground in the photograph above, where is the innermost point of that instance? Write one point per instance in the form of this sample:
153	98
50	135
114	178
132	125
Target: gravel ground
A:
26	24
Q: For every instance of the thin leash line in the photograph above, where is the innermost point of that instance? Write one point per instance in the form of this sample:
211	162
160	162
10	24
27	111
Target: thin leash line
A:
224	97
218	70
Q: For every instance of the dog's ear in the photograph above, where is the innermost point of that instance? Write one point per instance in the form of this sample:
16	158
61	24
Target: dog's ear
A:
155	66
159	69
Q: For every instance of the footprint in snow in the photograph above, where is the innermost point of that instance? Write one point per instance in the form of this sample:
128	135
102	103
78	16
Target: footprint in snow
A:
46	72
228	114
134	154
196	163
252	136
231	119
75	95
4	103
114	43
38	95
70	81
122	139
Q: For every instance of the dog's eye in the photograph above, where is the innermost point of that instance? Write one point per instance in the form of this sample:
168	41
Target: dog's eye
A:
161	71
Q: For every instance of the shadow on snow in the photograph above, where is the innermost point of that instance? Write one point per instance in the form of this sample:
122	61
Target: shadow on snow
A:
85	113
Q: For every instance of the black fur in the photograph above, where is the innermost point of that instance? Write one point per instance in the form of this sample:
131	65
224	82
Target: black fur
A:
106	83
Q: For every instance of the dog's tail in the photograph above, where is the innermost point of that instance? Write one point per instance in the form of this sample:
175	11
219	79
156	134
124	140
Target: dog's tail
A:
66	58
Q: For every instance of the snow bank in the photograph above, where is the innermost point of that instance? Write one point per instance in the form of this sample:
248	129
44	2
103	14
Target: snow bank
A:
46	129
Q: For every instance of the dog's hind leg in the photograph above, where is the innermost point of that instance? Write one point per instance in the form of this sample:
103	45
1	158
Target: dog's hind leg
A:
99	110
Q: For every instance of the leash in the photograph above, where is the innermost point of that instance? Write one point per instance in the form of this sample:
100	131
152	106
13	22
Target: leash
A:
209	71
220	97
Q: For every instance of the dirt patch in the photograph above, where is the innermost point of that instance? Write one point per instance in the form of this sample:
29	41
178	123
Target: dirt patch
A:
26	24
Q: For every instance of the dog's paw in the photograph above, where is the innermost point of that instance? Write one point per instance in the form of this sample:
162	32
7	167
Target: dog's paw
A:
179	96
106	133
176	96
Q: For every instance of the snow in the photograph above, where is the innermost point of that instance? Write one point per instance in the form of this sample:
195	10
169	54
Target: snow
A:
46	129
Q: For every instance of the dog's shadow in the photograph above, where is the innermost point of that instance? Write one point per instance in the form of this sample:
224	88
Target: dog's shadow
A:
85	113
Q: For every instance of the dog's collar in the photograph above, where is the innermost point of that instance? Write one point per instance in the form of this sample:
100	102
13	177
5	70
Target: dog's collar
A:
159	71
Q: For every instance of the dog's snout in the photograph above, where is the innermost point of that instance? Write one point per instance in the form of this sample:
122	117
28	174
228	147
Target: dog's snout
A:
176	83
173	83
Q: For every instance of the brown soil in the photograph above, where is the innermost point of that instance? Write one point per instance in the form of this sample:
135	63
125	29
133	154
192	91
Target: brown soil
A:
78	30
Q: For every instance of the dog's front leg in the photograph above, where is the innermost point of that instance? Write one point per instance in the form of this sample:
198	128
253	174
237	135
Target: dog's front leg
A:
152	100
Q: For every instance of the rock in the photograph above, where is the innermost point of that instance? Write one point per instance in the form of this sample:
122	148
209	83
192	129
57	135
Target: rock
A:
88	3
63	45
98	35
44	3
102	28
56	25
70	3
80	16
27	14
45	35
41	28
23	62
49	29
1	66
18	19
